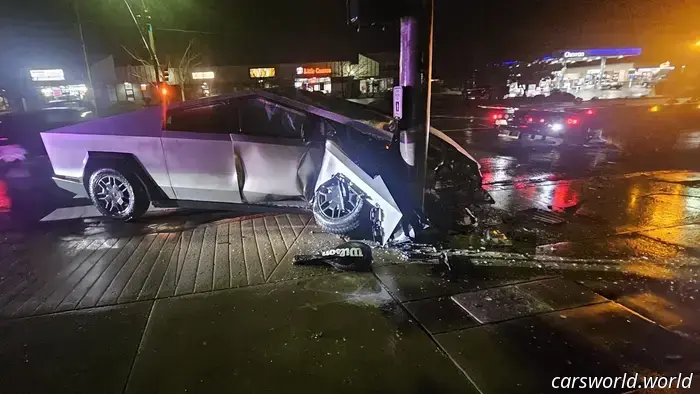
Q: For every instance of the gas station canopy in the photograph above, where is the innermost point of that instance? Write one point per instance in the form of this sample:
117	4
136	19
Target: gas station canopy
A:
575	54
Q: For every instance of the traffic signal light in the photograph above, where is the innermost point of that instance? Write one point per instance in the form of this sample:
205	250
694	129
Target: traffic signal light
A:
164	91
166	75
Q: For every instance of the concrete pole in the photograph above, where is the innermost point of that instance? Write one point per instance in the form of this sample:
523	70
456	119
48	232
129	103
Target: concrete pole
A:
415	75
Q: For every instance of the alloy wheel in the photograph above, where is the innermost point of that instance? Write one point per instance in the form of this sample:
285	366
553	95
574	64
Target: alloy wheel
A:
337	200
113	195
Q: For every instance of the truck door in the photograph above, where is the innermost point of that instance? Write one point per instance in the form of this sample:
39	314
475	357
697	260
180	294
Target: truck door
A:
199	152
278	158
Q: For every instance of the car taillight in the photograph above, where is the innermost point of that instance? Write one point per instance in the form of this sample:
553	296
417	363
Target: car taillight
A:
590	112
572	121
542	120
530	120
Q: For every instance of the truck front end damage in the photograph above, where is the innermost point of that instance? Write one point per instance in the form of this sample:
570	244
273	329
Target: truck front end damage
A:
339	172
453	184
377	195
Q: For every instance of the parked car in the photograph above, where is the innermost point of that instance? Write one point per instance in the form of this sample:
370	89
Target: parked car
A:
23	128
270	149
21	147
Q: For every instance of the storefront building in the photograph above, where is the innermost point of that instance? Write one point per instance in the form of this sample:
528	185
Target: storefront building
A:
55	86
340	78
343	78
315	78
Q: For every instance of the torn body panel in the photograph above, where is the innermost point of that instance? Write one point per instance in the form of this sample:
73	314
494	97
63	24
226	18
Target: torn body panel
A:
335	162
270	168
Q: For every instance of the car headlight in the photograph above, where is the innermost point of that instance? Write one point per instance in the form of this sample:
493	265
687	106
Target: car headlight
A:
557	127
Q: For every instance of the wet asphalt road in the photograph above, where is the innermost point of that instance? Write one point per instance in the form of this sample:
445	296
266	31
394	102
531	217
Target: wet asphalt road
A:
587	265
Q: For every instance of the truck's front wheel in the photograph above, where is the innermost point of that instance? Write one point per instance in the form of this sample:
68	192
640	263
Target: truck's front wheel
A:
118	195
337	207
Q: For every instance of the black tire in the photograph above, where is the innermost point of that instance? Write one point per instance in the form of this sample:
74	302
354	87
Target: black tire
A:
130	189
337	225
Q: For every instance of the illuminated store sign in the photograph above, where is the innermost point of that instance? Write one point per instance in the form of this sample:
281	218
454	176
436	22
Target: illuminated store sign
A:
600	52
203	75
266	72
47	75
314	71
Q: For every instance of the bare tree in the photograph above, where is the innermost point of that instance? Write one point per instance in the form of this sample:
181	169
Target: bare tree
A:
180	67
183	68
145	73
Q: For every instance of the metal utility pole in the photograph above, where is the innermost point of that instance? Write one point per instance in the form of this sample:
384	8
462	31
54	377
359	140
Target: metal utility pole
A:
85	56
415	76
150	44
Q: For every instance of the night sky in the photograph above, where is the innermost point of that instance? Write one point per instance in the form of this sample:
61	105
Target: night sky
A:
467	33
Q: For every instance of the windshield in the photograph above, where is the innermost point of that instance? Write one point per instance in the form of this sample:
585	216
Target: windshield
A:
338	105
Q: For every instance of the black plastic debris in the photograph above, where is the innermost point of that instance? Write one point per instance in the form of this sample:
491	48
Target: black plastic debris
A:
350	256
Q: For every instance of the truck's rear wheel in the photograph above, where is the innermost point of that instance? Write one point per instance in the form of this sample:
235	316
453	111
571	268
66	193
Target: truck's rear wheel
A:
118	195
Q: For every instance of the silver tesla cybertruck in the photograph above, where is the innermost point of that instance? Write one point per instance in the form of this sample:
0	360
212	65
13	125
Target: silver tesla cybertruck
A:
268	149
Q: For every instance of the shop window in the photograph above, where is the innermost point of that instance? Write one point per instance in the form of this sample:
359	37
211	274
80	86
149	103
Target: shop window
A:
216	118
267	119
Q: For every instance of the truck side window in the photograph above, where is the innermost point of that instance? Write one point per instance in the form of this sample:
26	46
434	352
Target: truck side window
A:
220	118
267	119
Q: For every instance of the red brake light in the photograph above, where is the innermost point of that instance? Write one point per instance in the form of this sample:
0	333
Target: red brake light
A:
542	120
530	120
494	116
590	112
572	121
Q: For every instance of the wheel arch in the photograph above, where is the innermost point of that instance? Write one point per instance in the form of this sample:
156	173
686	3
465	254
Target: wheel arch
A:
124	161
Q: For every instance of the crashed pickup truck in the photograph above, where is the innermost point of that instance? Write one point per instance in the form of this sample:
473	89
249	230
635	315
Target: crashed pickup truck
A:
266	149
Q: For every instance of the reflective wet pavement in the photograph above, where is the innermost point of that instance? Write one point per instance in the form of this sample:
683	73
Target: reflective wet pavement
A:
210	302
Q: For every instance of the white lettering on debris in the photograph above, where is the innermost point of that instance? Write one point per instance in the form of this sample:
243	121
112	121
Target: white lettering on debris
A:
343	252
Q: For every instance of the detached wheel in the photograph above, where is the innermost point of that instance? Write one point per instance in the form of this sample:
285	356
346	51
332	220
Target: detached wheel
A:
118	195
337	207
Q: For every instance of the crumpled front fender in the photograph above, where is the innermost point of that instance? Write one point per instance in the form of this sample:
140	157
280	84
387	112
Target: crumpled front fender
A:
335	161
